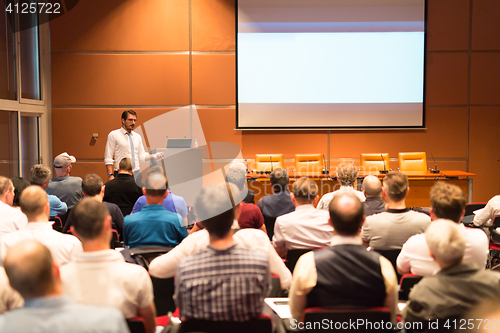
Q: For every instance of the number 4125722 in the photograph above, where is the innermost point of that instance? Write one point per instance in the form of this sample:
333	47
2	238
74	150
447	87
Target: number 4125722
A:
34	7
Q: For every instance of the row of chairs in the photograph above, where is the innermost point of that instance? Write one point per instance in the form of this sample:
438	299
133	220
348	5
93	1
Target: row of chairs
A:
306	164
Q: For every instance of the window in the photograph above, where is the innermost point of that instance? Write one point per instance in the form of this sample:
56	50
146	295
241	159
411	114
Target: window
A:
24	92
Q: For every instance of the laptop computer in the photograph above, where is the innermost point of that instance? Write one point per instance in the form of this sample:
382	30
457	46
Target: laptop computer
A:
179	143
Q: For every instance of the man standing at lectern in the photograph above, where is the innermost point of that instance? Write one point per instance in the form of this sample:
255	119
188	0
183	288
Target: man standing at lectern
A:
123	143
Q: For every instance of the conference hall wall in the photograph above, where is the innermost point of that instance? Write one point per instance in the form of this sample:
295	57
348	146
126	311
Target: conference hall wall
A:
158	55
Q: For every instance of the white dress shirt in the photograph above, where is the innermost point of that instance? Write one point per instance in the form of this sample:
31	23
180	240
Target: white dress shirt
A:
486	215
103	278
62	247
165	265
305	228
11	219
118	146
415	258
325	199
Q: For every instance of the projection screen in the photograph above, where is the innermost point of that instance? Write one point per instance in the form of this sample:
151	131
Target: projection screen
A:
346	64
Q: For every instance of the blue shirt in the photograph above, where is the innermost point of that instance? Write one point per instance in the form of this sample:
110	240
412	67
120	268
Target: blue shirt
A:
172	203
57	207
59	314
153	226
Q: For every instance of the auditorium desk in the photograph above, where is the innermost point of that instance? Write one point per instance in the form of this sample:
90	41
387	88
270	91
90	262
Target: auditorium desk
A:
420	184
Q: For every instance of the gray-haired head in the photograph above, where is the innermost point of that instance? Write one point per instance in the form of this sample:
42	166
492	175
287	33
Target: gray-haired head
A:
215	206
446	242
238	166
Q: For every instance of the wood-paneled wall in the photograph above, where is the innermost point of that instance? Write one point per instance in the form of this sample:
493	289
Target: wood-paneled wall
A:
157	55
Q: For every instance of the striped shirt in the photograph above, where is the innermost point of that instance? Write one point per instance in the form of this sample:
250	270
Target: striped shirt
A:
222	285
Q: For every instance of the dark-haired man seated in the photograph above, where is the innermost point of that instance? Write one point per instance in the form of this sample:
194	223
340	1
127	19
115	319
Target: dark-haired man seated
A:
345	275
34	274
277	204
123	190
92	187
237	278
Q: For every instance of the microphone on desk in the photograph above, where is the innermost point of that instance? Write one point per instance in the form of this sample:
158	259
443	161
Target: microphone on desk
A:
385	169
272	169
325	172
435	170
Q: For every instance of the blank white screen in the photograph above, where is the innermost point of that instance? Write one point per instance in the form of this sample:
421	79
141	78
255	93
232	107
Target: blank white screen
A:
345	74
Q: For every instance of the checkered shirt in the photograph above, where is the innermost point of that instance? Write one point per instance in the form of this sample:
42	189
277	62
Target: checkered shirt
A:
222	285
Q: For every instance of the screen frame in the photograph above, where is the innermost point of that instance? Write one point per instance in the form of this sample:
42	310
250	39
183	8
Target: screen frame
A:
332	128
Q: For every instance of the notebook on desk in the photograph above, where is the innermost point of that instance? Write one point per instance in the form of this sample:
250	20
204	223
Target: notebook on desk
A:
280	306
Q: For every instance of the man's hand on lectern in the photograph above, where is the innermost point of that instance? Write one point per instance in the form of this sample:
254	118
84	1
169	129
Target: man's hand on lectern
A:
158	155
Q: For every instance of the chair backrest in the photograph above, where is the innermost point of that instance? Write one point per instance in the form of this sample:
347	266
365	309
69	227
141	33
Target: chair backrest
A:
374	162
472	206
406	284
369	315
57	226
115	239
269	222
266	162
416	161
136	325
262	324
308	164
292	256
392	256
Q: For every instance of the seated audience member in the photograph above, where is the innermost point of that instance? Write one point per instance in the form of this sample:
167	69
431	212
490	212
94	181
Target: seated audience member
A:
237	278
35	204
250	197
448	202
344	275
457	287
306	227
19	185
391	229
40	175
253	239
372	188
11	219
100	276
65	187
278	203
9	298
173	203
250	214
35	276
122	190
486	215
93	187
154	225
346	176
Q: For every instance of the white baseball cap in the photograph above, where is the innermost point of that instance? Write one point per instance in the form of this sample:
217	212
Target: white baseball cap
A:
63	160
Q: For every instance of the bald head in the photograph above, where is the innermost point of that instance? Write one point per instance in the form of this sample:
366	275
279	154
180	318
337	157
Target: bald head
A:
31	270
156	184
34	203
372	187
346	214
